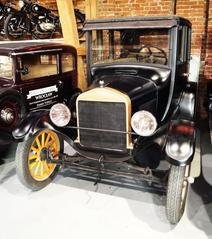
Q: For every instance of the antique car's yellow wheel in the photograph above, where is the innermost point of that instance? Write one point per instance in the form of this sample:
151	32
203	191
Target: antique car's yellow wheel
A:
33	164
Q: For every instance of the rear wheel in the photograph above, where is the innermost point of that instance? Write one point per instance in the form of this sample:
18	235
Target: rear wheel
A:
177	193
32	162
15	27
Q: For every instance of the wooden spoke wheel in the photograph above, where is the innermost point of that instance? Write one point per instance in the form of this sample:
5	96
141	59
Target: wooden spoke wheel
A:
34	168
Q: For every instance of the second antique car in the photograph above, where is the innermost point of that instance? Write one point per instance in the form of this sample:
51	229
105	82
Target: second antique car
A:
139	110
33	75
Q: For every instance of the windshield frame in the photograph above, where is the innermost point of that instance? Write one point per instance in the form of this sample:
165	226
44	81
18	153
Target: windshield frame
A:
173	31
141	46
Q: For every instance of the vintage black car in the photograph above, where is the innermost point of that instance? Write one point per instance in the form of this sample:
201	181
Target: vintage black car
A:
33	75
139	109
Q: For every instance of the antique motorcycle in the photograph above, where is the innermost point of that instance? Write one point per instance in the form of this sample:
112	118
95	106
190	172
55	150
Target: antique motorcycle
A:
5	10
37	21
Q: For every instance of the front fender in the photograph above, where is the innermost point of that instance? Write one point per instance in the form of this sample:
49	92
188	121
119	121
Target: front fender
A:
40	120
180	145
30	125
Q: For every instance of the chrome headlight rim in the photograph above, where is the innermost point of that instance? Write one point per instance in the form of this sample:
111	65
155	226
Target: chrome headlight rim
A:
137	117
63	116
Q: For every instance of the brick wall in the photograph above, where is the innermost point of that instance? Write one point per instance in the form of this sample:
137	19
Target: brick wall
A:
51	4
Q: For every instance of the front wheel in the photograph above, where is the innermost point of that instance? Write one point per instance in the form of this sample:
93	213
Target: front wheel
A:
176	193
32	164
12	110
38	33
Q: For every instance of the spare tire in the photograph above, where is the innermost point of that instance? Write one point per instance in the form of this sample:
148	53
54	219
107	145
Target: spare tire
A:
12	109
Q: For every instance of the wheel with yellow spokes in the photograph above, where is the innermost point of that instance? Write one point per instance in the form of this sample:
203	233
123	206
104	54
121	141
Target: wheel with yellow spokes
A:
33	165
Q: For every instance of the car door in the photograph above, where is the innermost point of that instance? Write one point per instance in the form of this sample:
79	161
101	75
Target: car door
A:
68	77
39	79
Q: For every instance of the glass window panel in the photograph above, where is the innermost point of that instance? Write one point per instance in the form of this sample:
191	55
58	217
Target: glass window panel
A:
6	67
38	66
67	60
133	46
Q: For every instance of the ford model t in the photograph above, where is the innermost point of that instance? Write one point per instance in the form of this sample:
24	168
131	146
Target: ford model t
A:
33	76
139	109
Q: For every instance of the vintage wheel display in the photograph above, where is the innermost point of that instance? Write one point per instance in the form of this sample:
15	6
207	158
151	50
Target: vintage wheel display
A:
14	27
12	110
176	193
32	165
80	19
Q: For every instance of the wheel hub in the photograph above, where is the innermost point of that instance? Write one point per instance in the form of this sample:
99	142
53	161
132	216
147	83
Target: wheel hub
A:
44	154
7	115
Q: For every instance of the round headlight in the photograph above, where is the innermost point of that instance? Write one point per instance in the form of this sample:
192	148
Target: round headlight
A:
143	123
60	115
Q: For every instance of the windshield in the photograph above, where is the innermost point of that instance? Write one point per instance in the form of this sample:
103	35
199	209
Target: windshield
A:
6	67
131	46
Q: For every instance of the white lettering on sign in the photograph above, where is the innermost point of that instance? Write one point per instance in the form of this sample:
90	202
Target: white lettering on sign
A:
38	97
41	91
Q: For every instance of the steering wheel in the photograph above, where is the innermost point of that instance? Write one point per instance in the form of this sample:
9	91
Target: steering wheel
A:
152	54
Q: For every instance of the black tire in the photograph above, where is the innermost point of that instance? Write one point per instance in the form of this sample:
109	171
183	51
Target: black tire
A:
80	19
14	27
2	26
176	193
12	110
23	162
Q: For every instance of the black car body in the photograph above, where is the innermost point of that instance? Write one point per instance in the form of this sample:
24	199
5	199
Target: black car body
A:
33	75
139	108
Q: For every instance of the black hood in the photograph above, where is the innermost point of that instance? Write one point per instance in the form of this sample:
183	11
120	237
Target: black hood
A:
140	83
125	73
130	85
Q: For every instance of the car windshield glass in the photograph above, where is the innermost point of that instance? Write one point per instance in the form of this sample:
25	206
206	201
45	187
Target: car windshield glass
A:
138	46
6	67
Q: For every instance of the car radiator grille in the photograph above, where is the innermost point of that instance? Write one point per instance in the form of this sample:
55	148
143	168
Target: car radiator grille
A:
106	116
